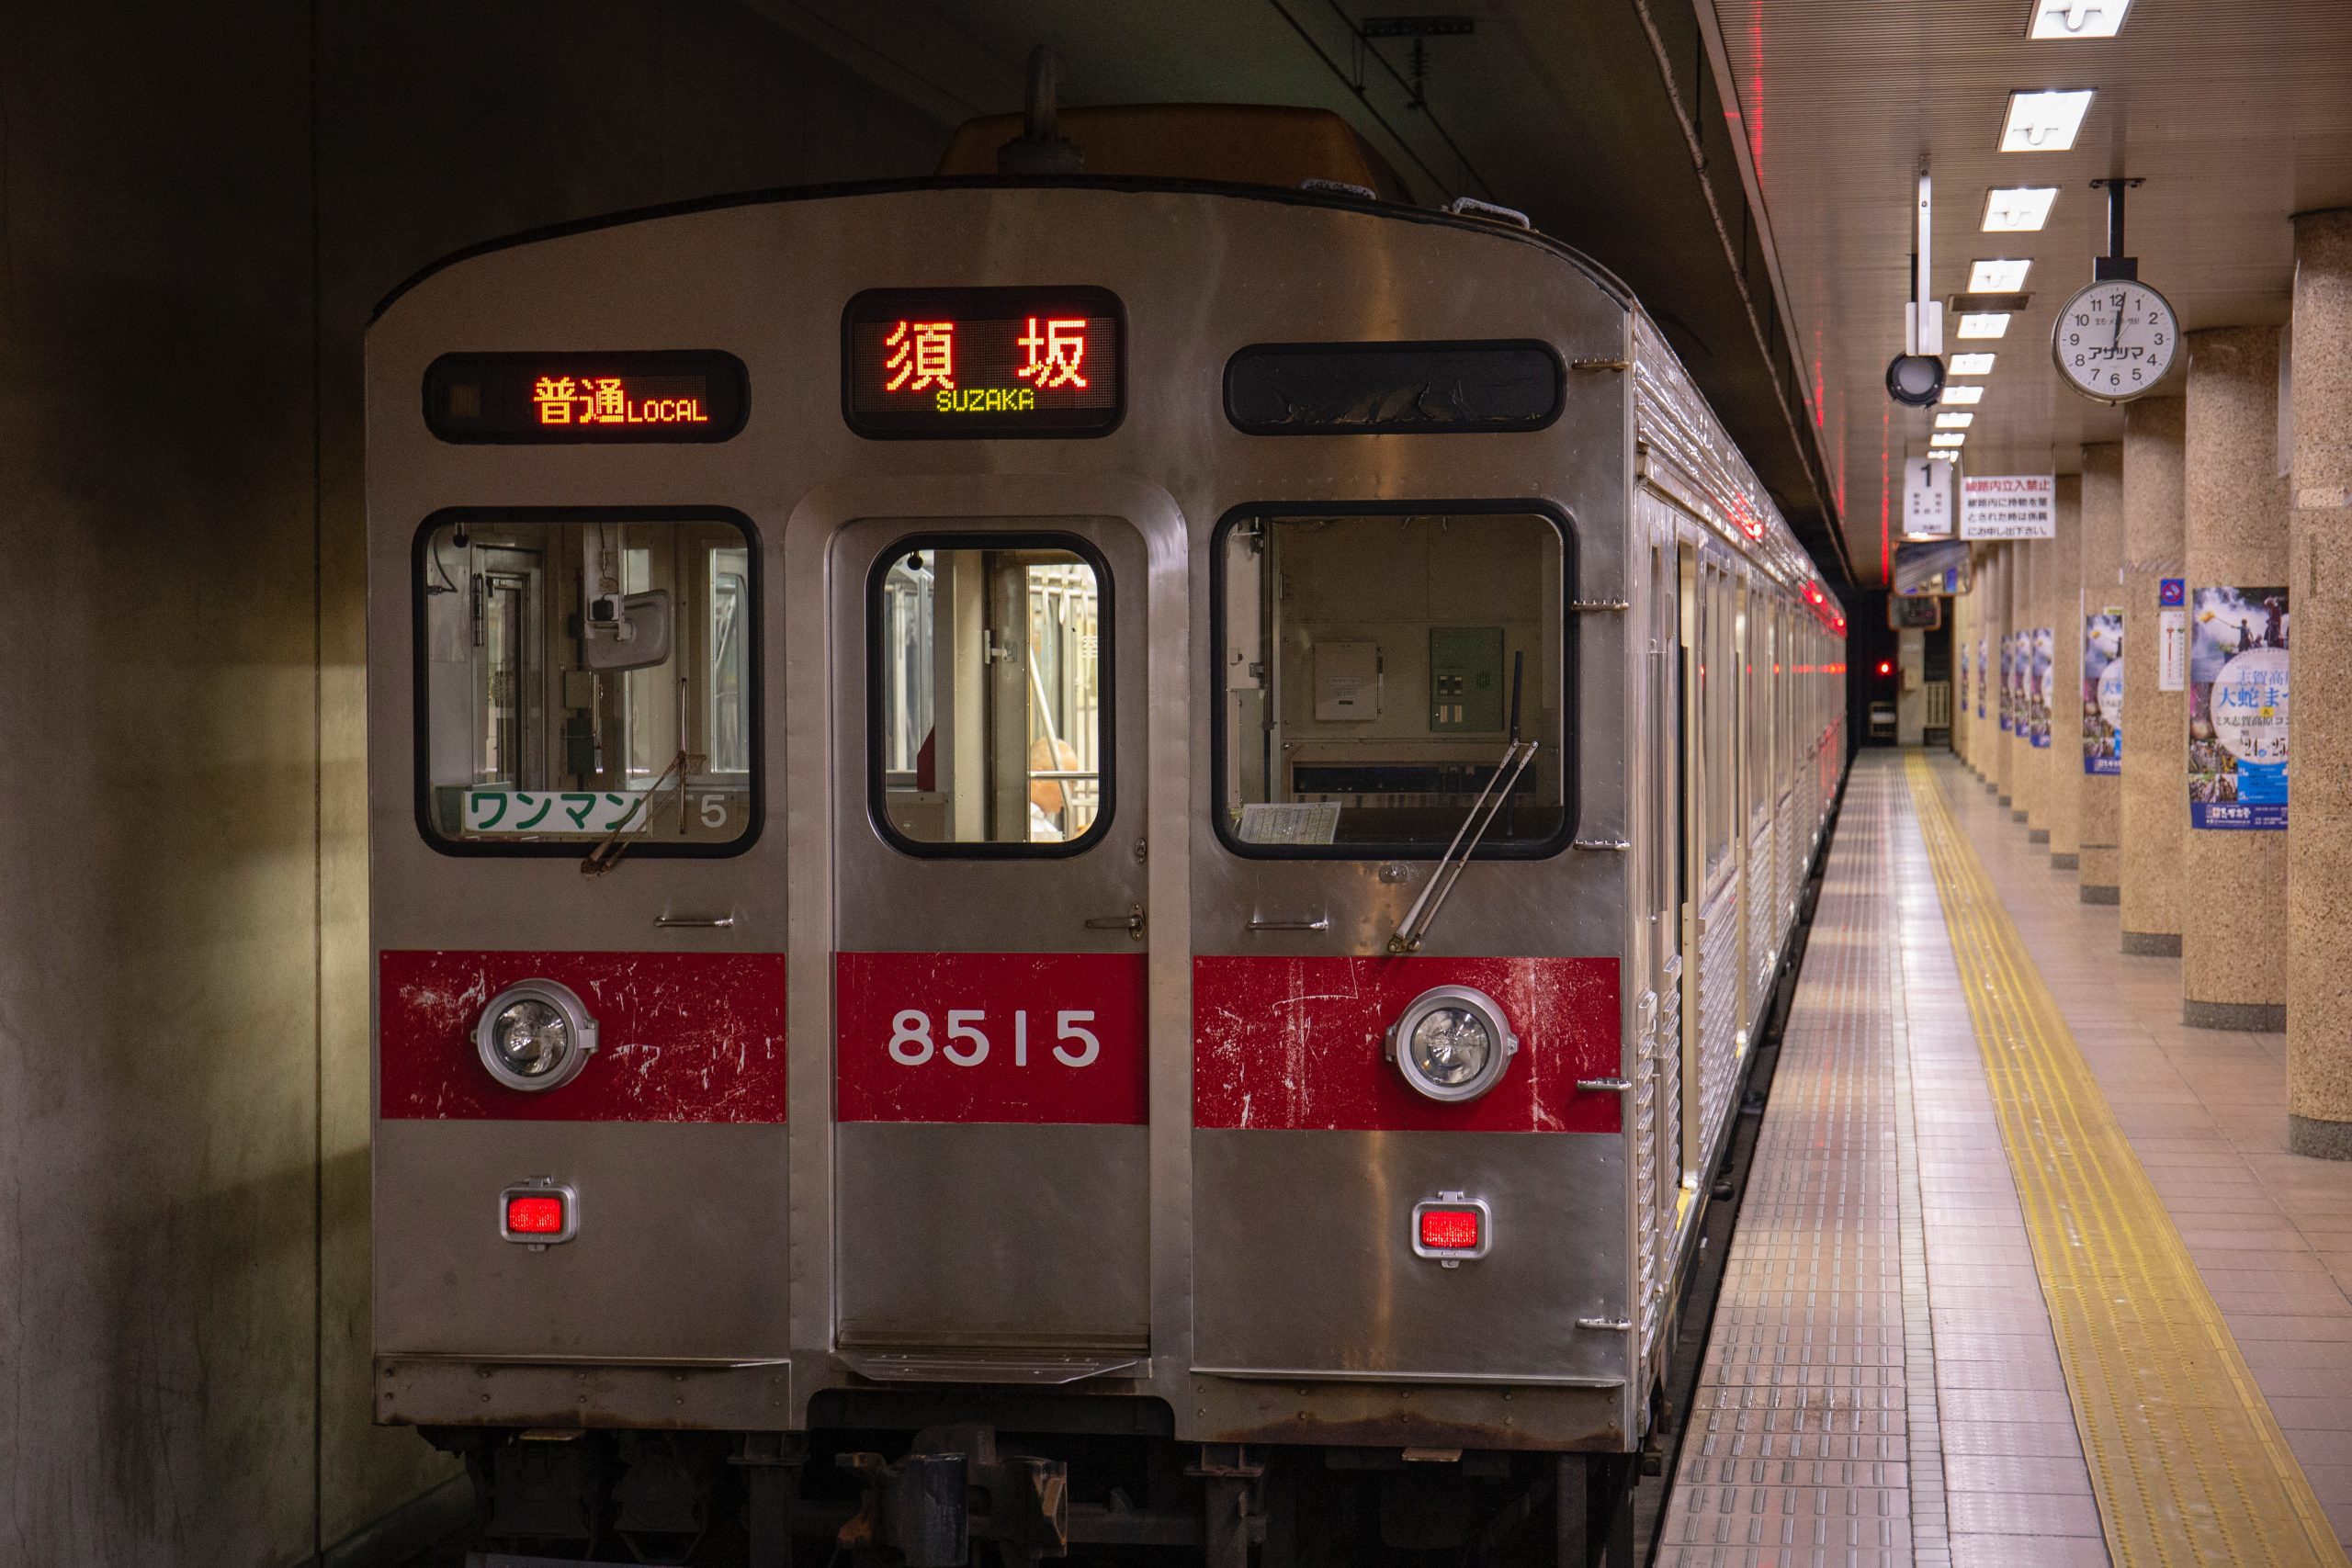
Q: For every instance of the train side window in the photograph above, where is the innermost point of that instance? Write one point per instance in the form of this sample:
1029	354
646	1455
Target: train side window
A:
1373	669
991	713
585	675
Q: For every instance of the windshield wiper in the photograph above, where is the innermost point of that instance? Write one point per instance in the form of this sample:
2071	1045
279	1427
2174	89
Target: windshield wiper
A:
1488	806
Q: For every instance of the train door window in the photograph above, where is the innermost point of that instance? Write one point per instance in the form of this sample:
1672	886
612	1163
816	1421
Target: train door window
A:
583	677
1373	670
990	688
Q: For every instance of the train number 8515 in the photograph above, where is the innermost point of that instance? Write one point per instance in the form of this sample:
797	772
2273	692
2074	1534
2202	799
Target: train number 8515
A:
966	1043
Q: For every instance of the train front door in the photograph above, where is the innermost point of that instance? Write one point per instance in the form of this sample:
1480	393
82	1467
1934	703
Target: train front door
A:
990	1046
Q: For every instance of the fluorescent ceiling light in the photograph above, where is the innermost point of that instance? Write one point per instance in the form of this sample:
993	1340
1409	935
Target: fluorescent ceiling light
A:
2078	19
1996	276
2044	123
1964	394
1943	457
1954	420
2017	209
1988	324
1950	439
1971	364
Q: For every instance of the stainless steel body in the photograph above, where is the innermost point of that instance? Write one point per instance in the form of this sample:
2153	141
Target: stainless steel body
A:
1260	1283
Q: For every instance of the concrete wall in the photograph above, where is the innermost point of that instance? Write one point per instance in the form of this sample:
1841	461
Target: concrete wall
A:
199	208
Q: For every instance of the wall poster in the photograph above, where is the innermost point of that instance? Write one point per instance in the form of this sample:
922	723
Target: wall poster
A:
1984	660
2043	655
2008	684
2237	708
2103	691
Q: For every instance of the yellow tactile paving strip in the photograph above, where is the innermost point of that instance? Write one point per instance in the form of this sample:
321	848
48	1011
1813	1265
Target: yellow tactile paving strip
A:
2187	1462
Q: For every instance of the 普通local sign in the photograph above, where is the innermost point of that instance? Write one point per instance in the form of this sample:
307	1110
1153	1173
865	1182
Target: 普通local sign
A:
2008	506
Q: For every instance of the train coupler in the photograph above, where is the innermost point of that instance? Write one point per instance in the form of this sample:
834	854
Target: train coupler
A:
920	1511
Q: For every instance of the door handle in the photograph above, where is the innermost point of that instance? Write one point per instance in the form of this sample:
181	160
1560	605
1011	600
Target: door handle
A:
1320	923
693	922
1131	922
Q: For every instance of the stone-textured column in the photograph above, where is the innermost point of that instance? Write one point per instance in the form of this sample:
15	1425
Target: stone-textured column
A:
2155	723
2101	809
2025	767
2318	814
2234	881
2061	762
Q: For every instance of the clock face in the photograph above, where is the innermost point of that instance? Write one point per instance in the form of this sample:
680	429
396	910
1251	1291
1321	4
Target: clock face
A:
2115	340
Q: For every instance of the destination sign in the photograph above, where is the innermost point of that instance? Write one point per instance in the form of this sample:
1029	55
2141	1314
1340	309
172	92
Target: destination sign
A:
983	361
565	397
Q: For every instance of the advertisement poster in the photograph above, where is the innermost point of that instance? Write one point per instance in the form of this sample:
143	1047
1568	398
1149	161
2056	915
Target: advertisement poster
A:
2037	692
1962	687
2008	684
2237	708
1984	660
2103	692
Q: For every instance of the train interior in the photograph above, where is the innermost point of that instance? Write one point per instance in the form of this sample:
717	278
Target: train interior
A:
585	680
1377	672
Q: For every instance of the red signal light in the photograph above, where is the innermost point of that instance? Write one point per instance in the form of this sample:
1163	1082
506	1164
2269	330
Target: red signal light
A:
1450	1230
1886	667
530	1215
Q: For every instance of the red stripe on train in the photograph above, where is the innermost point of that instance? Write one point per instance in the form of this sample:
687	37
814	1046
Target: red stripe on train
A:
680	1036
1299	1044
1026	1037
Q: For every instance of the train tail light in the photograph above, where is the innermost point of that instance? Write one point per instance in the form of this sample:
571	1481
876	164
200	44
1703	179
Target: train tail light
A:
1451	1227
538	1213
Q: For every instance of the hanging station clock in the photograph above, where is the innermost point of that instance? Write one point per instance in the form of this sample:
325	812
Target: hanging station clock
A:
2115	340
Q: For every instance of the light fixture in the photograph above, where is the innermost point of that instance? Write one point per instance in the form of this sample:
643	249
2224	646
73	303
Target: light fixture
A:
1949	438
1957	395
1954	420
539	1214
1451	1227
1452	1043
1983	324
1943	457
2005	277
2078	19
1971	364
534	1035
2017	209
2044	123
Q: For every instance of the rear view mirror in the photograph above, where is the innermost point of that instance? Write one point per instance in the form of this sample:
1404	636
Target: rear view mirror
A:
626	631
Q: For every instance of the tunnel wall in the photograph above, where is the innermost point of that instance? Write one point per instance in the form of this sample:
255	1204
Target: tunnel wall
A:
199	210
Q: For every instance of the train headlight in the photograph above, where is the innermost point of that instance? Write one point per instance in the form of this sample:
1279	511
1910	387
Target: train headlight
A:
534	1035
1452	1043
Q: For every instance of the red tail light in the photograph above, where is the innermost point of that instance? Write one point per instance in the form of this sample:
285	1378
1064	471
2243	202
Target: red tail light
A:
540	1213
1450	1230
535	1216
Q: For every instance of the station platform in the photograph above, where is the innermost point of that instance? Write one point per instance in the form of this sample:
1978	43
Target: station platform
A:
2023	1275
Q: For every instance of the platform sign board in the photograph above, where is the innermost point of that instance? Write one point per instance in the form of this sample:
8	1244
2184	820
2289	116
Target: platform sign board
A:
2172	634
2008	506
2237	708
2103	691
1926	499
2041	657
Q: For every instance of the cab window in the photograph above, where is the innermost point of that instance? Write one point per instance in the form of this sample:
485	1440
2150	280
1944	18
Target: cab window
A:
580	679
1372	672
990	711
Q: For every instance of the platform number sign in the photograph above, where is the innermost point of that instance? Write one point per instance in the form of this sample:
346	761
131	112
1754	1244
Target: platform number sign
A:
2115	340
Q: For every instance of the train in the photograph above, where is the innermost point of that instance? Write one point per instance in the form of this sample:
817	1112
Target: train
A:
1076	859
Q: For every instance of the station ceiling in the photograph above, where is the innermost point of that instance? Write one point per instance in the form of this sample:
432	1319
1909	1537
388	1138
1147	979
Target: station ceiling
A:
1748	168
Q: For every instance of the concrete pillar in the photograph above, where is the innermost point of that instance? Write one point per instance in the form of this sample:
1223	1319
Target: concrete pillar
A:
2155	722
2101	785
2025	765
2319	822
2061	597
2233	881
